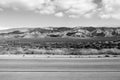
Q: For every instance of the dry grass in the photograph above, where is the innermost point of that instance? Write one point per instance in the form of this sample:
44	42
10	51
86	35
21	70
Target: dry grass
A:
62	51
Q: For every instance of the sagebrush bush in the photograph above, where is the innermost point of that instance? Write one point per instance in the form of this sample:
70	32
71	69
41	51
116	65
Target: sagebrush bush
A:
89	51
112	51
61	51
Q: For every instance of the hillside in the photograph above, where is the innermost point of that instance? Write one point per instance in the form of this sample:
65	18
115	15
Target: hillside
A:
76	32
61	41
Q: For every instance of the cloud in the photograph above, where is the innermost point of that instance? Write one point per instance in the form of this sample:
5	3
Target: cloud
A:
81	7
74	16
76	7
47	10
69	7
59	14
1	9
72	8
110	9
22	4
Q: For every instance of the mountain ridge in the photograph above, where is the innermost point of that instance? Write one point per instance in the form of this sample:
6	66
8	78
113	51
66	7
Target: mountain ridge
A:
75	32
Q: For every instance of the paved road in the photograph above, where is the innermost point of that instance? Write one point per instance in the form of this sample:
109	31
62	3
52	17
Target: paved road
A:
60	69
60	64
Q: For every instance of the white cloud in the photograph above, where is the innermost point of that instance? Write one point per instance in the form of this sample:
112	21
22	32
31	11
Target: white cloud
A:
77	7
70	7
59	14
82	7
24	4
110	9
47	10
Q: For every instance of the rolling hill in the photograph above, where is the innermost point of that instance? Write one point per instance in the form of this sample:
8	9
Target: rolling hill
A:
61	32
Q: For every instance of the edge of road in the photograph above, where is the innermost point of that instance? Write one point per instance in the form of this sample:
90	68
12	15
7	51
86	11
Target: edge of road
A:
59	56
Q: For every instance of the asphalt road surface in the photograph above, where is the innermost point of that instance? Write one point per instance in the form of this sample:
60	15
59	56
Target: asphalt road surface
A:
60	69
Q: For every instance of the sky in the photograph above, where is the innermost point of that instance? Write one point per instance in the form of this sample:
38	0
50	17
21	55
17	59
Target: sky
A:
59	13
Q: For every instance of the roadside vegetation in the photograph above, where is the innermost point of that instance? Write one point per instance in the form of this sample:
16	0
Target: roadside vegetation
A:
61	46
62	51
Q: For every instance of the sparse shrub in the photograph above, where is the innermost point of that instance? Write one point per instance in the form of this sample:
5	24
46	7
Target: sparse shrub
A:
89	51
113	51
107	55
99	56
74	52
114	55
45	51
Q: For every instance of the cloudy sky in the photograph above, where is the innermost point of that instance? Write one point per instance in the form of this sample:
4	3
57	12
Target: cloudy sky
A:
69	13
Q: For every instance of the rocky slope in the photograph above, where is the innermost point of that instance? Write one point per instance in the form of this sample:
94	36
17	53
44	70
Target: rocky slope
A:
76	32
